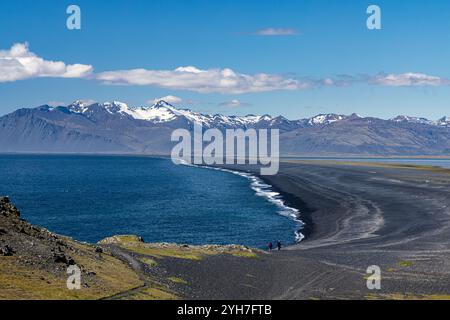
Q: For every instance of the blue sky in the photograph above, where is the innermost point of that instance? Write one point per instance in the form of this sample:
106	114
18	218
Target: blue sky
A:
234	66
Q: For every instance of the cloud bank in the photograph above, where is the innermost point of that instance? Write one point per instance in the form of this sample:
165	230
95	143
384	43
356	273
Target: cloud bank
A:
19	63
191	78
409	79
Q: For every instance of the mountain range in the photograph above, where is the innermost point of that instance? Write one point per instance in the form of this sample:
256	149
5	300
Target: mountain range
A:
116	128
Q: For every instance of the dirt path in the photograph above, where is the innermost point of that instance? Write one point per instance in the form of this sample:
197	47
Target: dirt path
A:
136	265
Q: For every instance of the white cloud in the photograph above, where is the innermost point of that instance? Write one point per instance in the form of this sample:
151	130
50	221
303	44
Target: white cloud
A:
276	32
169	99
19	63
203	81
235	103
409	79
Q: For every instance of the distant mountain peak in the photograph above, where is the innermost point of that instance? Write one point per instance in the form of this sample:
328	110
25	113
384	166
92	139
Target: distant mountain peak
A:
78	106
162	104
444	121
401	118
78	103
355	116
116	107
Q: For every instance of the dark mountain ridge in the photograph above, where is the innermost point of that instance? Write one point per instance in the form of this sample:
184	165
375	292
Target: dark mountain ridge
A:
113	127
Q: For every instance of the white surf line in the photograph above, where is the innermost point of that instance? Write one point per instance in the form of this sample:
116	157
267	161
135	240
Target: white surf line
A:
263	189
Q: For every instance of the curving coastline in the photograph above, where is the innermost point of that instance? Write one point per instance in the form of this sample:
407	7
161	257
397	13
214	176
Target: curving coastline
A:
358	215
262	188
397	218
367	204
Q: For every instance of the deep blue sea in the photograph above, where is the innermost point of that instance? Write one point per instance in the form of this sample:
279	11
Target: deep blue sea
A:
93	197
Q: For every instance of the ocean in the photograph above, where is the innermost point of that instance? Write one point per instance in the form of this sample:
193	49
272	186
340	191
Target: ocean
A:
93	197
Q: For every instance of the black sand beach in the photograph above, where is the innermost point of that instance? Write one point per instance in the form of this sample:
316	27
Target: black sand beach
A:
357	215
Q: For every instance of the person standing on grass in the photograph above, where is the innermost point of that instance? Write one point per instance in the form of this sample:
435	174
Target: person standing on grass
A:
270	245
279	245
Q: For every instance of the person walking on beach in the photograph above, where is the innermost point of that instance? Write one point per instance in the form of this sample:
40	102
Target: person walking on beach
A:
279	245
270	246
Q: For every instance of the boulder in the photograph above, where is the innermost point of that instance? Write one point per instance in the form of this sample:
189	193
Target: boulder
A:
6	251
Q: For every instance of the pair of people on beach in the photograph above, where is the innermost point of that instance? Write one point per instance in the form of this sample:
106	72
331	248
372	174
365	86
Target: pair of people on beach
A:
270	245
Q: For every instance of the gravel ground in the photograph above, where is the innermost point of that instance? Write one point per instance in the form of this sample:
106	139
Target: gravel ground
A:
397	218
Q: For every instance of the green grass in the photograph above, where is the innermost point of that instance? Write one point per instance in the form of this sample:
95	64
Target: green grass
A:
244	254
24	282
405	264
177	280
153	294
164	252
149	262
380	164
407	296
158	251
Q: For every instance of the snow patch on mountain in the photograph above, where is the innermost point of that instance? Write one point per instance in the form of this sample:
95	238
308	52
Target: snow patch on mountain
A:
409	119
444	122
323	119
162	112
78	107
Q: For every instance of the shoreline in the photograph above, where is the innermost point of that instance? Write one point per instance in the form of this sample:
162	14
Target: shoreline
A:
280	198
411	246
296	194
296	202
285	201
283	157
345	204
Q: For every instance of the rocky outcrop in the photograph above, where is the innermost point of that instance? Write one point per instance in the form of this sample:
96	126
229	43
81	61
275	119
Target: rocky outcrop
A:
34	262
7	209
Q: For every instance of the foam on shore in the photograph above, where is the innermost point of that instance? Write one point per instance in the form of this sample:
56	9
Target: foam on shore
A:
265	190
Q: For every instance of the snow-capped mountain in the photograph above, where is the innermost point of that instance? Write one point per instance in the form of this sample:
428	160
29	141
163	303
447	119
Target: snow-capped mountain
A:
115	127
162	112
443	122
404	118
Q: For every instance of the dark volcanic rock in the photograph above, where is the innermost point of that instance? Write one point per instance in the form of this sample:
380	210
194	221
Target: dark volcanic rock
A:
29	243
6	251
7	209
60	257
